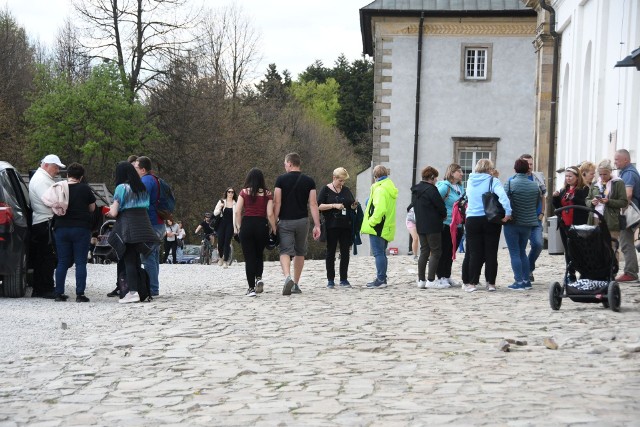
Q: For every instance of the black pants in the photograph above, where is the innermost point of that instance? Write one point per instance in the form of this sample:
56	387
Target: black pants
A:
335	236
225	234
254	234
170	246
43	259
483	238
133	267
446	260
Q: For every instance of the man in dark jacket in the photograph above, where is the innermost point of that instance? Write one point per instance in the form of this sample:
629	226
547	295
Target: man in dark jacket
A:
430	213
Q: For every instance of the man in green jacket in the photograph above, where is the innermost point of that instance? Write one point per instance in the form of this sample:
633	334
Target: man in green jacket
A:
380	222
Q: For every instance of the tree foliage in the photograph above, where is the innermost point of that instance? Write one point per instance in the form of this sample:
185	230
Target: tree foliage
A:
92	122
320	99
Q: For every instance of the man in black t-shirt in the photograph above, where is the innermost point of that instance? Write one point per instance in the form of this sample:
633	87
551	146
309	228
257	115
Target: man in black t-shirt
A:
293	192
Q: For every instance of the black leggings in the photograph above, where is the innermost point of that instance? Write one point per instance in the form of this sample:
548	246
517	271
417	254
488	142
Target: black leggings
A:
343	236
483	238
446	260
225	234
170	246
254	234
132	267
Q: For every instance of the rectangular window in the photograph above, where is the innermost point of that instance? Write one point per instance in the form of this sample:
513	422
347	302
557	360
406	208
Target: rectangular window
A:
468	150
468	160
476	62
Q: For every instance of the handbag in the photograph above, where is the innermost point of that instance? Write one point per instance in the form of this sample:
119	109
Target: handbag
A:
631	216
492	207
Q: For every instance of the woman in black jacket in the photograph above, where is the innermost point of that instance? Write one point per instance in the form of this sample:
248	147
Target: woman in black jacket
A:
574	192
430	213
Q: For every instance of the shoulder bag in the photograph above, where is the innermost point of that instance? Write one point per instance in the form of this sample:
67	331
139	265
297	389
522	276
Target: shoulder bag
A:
492	207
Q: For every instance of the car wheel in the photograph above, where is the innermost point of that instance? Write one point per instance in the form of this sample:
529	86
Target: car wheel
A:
15	285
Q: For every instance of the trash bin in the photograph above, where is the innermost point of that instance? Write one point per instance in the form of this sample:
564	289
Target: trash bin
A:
554	242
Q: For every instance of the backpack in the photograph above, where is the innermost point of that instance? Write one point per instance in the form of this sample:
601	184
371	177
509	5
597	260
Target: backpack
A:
166	203
461	206
144	290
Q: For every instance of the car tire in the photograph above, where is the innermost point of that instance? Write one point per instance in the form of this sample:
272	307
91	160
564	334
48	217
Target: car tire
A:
15	285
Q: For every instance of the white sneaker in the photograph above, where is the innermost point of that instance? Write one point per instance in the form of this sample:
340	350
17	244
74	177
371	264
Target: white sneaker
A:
421	284
225	264
451	282
432	284
469	288
130	297
259	286
442	284
220	262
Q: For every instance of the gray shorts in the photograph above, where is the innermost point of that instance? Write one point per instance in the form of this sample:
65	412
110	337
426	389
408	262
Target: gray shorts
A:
293	236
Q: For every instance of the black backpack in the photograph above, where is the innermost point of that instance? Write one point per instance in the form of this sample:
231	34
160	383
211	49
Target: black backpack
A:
144	290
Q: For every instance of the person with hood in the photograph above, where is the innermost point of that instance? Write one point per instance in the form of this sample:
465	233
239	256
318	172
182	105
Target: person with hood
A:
430	213
483	237
380	222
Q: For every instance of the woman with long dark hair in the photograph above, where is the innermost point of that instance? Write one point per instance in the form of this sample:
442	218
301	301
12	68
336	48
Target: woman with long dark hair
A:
132	234
254	218
226	207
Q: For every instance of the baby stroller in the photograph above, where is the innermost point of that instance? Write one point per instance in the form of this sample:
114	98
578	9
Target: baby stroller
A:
589	252
103	253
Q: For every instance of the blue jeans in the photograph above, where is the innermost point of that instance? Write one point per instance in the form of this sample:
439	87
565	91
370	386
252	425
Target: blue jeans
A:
72	245
535	240
517	237
151	262
379	251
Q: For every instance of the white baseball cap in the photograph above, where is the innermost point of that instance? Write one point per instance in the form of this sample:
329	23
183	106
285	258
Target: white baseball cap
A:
52	158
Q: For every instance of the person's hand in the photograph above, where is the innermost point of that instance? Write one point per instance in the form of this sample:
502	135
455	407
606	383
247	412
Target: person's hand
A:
338	206
316	232
604	201
506	218
556	193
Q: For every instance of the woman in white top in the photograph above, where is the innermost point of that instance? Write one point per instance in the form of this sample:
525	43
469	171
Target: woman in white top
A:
226	208
170	240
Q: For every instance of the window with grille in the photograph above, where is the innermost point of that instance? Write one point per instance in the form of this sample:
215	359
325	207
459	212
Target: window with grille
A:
476	62
468	150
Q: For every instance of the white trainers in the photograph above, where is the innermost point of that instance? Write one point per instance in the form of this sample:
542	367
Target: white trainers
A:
442	283
432	284
421	284
130	297
220	262
259	286
225	264
451	282
469	288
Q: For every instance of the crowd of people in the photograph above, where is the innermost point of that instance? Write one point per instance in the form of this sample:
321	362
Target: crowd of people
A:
442	213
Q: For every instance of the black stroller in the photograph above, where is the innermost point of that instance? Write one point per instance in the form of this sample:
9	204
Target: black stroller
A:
589	252
103	253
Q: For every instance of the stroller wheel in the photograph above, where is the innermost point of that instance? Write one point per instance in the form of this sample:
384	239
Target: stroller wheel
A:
555	296
613	296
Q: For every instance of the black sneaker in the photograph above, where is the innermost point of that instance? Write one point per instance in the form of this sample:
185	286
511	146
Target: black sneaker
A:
82	298
114	293
531	278
296	289
251	292
61	297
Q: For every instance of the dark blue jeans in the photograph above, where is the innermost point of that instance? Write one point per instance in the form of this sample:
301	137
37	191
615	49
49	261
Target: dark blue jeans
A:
535	240
378	250
72	244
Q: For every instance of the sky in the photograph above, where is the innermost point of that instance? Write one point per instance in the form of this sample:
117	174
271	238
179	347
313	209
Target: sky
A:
294	33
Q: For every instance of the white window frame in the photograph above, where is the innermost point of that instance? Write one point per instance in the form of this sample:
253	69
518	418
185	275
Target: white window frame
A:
480	73
477	146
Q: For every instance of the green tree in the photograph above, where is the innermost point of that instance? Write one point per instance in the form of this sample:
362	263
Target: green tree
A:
92	122
320	99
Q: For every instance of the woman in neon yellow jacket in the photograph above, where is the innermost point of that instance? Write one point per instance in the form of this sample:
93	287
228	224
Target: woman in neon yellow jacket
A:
380	221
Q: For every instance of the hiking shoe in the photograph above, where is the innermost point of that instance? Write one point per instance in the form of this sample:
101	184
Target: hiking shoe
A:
527	286
626	277
251	292
516	287
130	297
296	289
81	298
377	284
491	288
114	293
259	285
422	284
61	297
531	278
288	285
345	284
331	284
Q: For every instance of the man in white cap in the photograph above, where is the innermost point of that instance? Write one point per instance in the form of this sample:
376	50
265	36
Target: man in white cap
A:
42	250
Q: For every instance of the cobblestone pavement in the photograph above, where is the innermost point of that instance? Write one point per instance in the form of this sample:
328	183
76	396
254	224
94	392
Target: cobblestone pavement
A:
204	354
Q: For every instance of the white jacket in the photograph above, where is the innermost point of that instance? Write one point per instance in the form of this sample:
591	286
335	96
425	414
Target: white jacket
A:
38	184
57	197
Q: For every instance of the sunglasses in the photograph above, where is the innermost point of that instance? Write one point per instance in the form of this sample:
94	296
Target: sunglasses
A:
230	191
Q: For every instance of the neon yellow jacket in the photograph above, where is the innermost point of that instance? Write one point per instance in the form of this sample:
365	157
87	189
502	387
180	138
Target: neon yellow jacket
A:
380	212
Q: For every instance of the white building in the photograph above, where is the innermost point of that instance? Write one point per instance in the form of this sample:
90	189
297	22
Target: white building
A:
473	98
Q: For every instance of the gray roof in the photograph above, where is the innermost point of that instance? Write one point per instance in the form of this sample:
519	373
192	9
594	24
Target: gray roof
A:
446	5
430	8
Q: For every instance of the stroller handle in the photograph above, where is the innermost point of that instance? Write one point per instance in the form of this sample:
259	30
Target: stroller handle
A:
580	208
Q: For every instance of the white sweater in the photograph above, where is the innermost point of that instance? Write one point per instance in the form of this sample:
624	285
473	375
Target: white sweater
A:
38	185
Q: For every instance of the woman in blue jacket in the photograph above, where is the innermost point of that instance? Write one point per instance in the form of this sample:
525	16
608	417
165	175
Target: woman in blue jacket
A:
483	236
